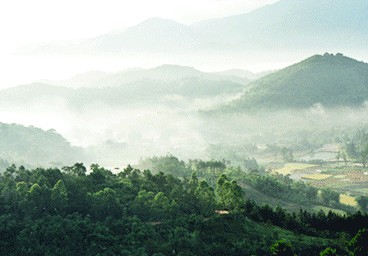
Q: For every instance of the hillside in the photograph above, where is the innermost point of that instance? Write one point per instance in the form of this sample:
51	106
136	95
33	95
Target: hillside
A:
74	212
164	85
330	80
32	146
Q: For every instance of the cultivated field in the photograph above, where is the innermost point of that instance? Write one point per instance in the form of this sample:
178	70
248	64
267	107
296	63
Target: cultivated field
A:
351	181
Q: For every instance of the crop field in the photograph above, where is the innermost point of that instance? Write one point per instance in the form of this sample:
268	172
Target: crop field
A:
350	181
348	200
317	176
293	167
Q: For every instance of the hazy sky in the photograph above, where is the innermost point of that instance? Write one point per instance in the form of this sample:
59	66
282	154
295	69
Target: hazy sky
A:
24	21
29	22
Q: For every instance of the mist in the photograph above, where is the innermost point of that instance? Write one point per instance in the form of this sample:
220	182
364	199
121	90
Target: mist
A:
113	116
116	135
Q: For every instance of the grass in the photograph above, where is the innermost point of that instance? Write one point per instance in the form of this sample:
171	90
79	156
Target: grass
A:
317	176
292	167
348	200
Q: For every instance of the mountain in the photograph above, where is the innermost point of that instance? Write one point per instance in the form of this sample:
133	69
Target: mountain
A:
32	146
154	33
244	73
330	80
291	24
282	27
164	85
163	73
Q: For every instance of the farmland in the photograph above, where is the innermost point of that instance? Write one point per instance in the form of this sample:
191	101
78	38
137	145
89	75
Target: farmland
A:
349	180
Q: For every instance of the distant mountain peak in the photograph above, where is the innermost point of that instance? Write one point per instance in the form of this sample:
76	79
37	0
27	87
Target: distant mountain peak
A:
159	21
173	67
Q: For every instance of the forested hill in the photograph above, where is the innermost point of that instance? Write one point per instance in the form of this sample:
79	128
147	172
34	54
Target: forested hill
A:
73	212
330	80
34	146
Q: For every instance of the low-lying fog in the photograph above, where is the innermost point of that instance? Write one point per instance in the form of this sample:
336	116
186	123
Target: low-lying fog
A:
118	134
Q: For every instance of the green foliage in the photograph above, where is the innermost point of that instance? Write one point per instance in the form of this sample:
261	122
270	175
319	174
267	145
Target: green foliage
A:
328	252
329	197
359	243
59	196
206	197
363	203
166	164
49	212
229	194
332	81
281	248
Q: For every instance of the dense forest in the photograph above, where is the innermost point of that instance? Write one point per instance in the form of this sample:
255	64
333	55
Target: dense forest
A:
184	211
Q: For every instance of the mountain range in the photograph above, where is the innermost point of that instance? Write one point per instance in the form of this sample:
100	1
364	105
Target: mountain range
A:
286	26
164	85
145	109
329	80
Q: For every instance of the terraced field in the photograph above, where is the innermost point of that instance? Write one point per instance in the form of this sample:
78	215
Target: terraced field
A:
350	181
317	176
291	168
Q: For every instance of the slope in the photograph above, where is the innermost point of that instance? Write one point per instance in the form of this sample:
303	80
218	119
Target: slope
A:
33	146
330	80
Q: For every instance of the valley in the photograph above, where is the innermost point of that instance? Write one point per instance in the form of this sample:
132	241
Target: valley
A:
184	128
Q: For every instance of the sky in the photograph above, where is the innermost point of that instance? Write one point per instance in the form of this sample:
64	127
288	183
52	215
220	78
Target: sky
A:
24	23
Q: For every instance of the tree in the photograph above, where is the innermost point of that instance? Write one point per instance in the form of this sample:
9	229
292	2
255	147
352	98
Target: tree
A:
105	203
141	205
206	196
359	243
281	248
229	193
59	196
328	252
162	207
287	154
77	169
344	157
363	203
329	197
193	182
338	156
39	198
363	152
22	188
